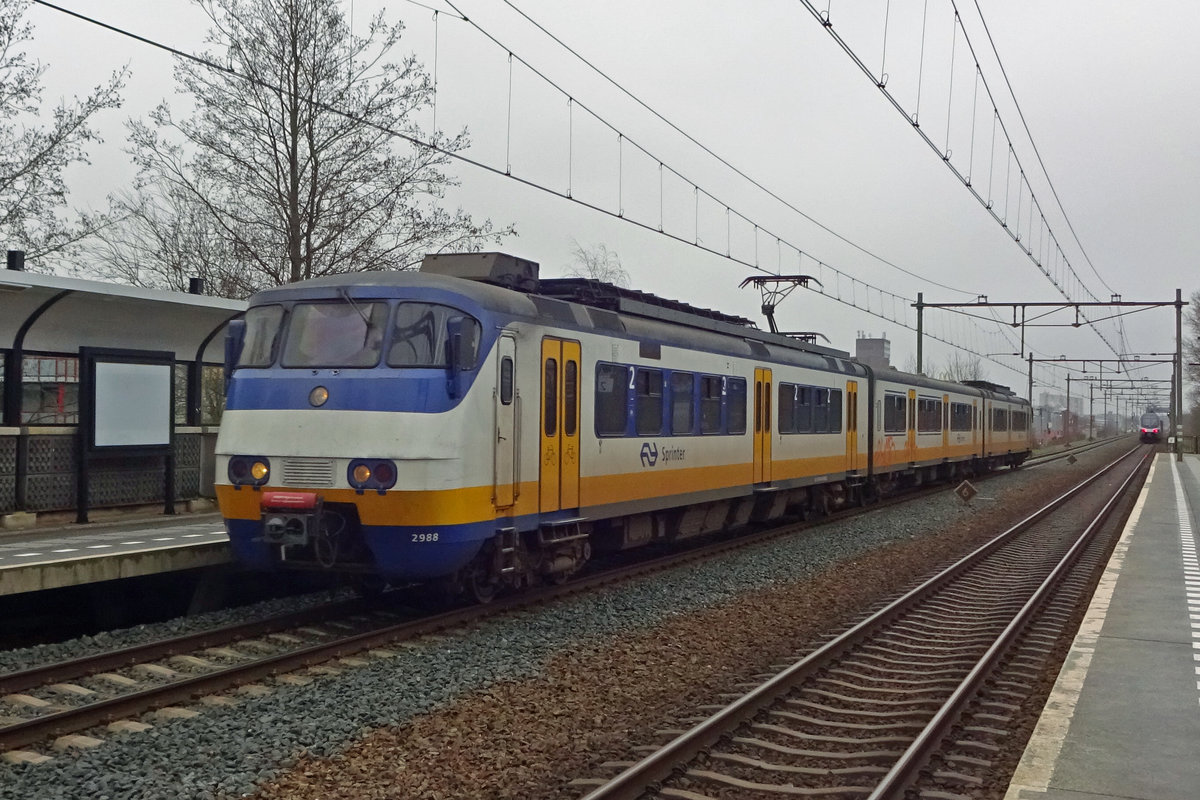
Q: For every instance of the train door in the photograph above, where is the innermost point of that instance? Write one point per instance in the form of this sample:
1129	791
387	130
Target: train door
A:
558	477
504	457
762	424
911	445
985	426
851	424
945	425
975	426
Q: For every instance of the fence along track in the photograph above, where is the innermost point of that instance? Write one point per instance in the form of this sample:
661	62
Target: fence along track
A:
862	715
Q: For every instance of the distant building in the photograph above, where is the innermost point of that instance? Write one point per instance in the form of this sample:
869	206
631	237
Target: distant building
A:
874	352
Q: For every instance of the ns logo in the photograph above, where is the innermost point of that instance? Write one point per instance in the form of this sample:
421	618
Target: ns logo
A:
650	454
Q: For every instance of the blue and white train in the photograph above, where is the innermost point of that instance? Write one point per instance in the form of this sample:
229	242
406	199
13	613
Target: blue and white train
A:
473	425
1151	427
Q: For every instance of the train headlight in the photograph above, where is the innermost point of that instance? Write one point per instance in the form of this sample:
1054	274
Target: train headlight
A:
385	474
371	473
248	470
318	396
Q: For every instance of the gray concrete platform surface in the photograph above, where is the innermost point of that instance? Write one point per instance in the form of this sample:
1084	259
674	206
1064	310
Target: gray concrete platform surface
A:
51	558
1123	720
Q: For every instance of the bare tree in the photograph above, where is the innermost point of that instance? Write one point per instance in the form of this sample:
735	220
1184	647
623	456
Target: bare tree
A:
961	368
164	239
295	162
33	156
599	264
928	366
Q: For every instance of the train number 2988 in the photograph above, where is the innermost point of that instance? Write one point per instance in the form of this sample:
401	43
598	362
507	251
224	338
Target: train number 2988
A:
425	537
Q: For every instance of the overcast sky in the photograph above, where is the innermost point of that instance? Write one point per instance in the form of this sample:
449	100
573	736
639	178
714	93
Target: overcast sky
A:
1108	90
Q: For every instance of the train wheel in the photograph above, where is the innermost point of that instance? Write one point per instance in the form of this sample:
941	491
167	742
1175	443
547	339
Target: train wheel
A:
480	585
861	495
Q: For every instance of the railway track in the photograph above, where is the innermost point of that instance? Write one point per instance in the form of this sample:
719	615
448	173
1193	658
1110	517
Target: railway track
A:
1072	451
56	700
914	700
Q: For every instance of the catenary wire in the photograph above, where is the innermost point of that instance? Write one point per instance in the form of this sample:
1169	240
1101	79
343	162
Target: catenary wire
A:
1037	153
880	83
524	181
720	159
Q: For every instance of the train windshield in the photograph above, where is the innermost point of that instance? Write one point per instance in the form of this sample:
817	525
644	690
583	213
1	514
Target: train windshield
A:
345	334
262	336
1150	421
419	336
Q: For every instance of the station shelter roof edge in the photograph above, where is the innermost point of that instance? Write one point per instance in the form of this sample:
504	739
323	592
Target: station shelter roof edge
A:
101	314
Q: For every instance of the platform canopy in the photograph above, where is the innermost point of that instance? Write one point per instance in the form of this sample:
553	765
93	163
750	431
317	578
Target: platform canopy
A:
86	313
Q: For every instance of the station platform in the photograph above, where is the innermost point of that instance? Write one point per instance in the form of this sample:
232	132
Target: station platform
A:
72	555
1123	720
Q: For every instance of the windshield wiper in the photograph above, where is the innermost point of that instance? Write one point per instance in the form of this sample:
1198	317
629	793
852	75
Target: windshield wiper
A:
346	296
368	325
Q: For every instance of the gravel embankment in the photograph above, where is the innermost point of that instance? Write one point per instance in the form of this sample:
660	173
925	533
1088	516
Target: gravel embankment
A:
518	706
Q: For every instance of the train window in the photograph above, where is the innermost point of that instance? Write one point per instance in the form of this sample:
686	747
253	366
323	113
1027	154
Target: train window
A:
929	415
835	410
648	402
767	406
338	334
262	336
710	404
735	398
1020	421
787	408
506	380
757	406
612	390
682	409
550	397
804	408
960	417
570	397
419	336
820	419
999	419
894	408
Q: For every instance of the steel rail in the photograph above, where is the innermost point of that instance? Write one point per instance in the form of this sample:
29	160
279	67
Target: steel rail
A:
904	771
102	711
1046	458
633	782
21	680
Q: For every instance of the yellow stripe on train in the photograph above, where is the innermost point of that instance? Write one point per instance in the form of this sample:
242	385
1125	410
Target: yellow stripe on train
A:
476	503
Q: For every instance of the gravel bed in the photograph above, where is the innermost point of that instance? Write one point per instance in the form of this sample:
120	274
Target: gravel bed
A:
38	655
517	706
